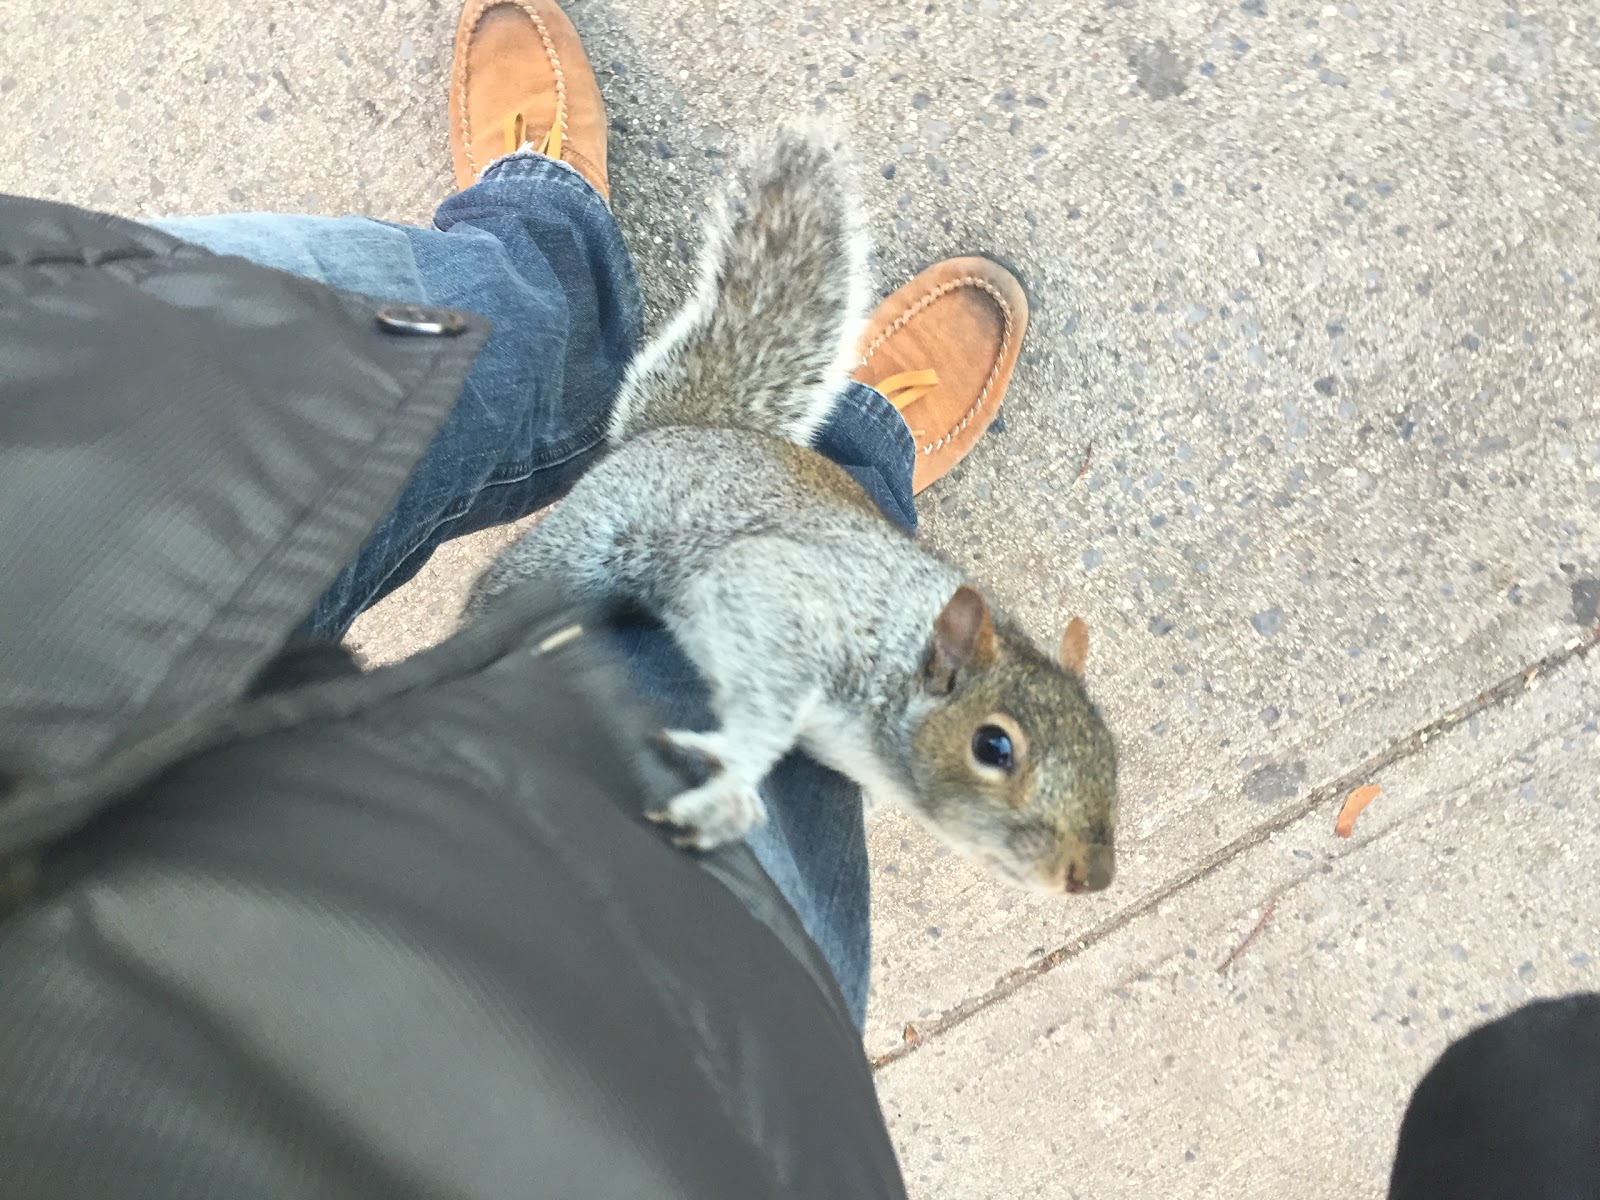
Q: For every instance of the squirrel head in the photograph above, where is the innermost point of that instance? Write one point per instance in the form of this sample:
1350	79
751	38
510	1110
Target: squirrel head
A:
1011	761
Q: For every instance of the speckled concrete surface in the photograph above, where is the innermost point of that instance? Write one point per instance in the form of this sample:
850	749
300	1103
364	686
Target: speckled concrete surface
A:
1315	294
1143	1070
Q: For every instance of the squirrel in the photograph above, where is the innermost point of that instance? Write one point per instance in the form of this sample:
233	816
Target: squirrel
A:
814	621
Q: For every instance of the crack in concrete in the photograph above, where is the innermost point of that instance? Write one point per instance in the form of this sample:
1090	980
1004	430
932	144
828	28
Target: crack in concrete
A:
1512	686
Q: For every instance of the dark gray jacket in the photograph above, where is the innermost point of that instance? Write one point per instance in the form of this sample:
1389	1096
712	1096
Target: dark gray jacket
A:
276	928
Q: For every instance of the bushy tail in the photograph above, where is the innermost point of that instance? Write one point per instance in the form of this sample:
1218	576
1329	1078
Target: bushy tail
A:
766	342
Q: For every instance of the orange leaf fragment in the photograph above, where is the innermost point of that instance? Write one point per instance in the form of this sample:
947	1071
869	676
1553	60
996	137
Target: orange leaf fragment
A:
1354	804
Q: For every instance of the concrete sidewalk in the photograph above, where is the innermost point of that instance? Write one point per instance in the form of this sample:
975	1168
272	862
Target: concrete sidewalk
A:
1307	427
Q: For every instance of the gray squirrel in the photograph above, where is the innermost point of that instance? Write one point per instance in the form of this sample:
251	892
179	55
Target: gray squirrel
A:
814	621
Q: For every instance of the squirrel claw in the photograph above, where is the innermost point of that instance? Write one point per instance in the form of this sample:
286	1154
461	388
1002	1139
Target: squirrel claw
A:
712	814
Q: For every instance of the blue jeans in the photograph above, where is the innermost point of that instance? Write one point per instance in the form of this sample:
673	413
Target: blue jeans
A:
533	248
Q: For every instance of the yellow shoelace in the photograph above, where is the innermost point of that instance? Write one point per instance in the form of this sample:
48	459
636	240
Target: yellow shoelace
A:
908	387
516	128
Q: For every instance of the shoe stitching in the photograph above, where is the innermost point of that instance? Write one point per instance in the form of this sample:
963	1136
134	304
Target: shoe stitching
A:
466	73
917	309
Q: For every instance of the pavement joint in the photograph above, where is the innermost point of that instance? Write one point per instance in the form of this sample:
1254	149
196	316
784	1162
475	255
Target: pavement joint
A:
1502	693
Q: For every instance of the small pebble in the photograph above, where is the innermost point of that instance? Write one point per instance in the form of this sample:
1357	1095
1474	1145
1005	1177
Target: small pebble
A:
1269	622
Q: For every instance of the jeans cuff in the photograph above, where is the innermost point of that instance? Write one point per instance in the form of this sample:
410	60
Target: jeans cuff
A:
520	167
867	436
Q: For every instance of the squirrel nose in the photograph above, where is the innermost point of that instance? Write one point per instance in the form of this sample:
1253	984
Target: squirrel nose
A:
1091	870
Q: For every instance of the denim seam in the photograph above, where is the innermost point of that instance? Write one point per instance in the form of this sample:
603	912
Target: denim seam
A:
521	470
416	543
553	455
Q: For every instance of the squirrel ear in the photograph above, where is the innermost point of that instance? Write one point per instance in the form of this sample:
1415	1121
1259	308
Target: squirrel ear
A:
1074	651
963	634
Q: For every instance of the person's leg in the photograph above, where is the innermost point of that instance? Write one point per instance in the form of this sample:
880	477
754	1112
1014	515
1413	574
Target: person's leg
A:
534	250
532	247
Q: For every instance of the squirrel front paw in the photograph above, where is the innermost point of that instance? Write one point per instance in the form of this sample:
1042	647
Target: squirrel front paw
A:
715	813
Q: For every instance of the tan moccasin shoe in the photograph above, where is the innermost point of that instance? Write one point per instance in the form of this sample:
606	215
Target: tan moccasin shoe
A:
942	350
521	79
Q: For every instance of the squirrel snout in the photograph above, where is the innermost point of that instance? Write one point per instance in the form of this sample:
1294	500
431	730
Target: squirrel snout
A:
1090	869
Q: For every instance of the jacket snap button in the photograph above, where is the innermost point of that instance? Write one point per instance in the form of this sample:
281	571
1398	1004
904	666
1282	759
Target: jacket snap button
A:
425	322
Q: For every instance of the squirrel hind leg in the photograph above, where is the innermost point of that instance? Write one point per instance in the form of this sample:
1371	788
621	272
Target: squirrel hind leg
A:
557	552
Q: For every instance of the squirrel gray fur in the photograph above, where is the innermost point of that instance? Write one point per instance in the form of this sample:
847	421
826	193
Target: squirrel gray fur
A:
814	621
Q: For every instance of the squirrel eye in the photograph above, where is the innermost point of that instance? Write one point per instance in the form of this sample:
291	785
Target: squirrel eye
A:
991	746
